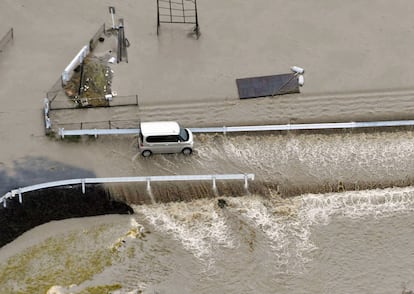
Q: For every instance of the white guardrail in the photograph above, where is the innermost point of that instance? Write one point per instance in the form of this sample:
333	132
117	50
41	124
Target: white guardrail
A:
19	192
286	127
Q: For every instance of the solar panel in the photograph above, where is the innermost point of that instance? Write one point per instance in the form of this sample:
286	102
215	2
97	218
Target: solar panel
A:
267	85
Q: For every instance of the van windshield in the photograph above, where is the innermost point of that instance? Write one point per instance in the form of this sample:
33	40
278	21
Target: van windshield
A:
183	135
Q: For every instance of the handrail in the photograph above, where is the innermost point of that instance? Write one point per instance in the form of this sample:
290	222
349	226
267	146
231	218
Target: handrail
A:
147	179
314	126
96	132
285	127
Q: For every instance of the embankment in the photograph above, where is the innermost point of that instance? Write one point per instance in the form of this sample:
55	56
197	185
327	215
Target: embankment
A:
42	206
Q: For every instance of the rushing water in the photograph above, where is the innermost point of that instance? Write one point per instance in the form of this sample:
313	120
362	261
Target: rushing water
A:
351	242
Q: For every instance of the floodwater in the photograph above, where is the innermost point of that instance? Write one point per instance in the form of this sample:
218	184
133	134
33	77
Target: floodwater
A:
351	242
348	242
294	163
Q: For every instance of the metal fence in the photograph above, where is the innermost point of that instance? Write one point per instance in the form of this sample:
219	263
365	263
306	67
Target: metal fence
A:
123	43
117	126
9	36
213	178
94	40
178	12
62	102
288	127
54	90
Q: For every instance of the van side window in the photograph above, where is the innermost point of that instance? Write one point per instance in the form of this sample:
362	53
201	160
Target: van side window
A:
162	139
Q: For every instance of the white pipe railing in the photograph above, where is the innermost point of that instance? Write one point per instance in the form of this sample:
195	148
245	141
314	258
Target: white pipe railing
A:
286	127
148	179
314	126
96	132
78	59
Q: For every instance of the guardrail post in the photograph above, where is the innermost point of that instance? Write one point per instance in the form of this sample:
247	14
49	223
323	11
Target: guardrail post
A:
214	184
224	130
246	182
149	184
4	203
20	196
83	186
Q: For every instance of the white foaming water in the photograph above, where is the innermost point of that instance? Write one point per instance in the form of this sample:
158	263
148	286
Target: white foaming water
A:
196	225
284	239
288	235
287	224
319	209
307	157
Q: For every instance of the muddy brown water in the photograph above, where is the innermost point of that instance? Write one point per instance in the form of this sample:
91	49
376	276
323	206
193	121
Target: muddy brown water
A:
355	64
353	241
329	243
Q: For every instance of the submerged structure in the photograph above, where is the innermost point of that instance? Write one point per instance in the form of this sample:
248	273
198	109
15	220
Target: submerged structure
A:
178	12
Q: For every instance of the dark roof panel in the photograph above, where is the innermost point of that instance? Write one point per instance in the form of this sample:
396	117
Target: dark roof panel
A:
267	85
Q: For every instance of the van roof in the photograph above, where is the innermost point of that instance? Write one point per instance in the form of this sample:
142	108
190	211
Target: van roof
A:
160	128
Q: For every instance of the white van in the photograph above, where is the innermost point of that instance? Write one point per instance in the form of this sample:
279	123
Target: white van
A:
164	137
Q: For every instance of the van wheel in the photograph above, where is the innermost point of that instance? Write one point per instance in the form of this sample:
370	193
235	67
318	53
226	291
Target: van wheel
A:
187	151
146	153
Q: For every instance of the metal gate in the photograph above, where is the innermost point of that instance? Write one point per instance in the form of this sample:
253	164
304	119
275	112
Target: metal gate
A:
178	11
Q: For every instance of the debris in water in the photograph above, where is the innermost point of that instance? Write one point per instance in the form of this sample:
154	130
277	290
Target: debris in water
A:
92	82
222	203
